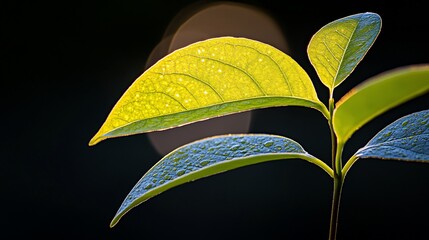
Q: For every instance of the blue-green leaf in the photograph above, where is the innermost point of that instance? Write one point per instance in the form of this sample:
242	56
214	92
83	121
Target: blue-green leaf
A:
405	139
208	157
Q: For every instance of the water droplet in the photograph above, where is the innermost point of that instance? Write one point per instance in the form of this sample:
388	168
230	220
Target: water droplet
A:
203	60
260	59
219	70
180	172
405	123
204	162
268	143
148	186
205	92
386	135
235	147
180	152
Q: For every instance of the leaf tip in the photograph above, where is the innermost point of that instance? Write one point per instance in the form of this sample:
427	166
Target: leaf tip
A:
116	219
372	14
375	17
113	222
96	139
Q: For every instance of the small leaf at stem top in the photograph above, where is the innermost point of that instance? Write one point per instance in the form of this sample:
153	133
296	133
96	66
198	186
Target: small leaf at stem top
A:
337	48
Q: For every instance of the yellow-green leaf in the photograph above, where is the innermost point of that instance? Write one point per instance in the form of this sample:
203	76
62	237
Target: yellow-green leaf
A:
377	95
209	79
336	49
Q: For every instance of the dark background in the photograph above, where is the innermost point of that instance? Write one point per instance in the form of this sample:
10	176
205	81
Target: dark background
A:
65	64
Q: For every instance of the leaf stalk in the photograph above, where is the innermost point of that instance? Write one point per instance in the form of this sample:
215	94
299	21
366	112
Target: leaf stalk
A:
337	149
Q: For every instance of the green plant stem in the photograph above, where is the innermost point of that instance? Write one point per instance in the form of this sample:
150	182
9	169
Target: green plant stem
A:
337	149
338	185
331	127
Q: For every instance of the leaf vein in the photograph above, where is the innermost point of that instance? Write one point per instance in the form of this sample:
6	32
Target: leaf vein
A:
342	34
278	66
324	66
197	79
169	96
235	67
330	51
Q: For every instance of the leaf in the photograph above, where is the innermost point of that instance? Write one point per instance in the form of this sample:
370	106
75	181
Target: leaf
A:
377	95
405	139
337	48
208	157
209	79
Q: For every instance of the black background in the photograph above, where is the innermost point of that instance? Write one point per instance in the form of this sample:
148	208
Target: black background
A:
65	64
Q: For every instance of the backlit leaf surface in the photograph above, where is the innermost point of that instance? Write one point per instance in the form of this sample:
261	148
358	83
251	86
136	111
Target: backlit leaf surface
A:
208	79
337	48
377	95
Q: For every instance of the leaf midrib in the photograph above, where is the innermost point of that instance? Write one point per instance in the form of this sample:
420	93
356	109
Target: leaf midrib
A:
225	102
345	50
392	141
